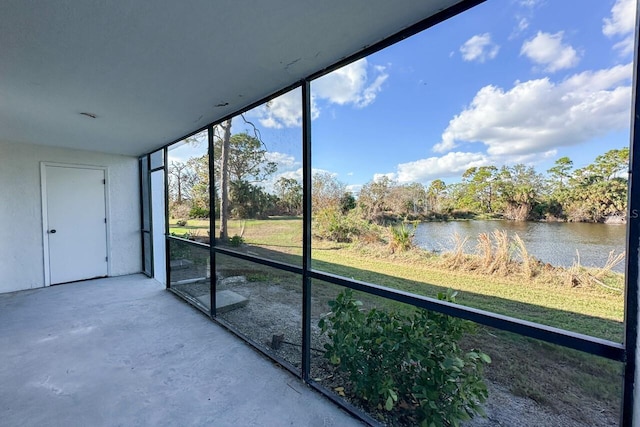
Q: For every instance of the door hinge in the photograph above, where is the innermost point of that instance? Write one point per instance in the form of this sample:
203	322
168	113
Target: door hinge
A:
106	259
104	181
105	220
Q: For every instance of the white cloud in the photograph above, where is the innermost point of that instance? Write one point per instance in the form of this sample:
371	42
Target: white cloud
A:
284	111
292	174
523	24
379	176
530	3
479	48
621	23
356	84
315	171
625	46
451	164
284	161
455	163
354	188
548	50
622	20
539	115
288	167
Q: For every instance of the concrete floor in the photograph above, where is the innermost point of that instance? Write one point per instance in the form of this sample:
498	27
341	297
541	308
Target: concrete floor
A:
124	352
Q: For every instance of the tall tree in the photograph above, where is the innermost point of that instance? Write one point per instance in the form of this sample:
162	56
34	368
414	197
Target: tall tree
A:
199	191
413	198
598	190
241	161
224	179
434	194
181	177
480	188
519	186
249	200
247	160
610	164
375	198
289	192
326	192
561	172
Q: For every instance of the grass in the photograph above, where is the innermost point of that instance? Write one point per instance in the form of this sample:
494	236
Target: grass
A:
198	227
551	375
534	301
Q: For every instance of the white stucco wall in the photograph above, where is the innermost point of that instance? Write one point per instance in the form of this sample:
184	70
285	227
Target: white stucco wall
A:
21	241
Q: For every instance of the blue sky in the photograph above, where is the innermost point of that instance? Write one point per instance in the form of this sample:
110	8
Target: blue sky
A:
510	81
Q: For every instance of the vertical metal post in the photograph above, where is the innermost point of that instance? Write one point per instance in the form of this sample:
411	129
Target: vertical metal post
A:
632	274
212	225
306	229
144	270
147	182
167	255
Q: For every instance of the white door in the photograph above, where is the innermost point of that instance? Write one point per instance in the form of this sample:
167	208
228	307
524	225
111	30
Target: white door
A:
75	223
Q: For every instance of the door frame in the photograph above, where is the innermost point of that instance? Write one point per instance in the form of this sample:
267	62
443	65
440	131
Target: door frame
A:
45	219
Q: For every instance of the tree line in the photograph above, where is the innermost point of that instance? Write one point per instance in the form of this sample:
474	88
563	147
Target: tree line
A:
594	193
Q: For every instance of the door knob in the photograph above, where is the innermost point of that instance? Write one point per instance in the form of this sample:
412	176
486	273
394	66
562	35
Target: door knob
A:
52	231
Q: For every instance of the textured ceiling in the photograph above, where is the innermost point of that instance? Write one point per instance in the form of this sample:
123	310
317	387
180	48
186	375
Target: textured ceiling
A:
154	71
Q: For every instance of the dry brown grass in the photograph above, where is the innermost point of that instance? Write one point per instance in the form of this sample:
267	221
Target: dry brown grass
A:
494	254
456	258
572	274
485	250
501	262
577	275
502	255
527	262
612	261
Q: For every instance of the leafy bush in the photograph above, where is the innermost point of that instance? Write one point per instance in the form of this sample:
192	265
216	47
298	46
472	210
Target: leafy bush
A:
236	240
198	212
181	222
396	360
401	237
332	224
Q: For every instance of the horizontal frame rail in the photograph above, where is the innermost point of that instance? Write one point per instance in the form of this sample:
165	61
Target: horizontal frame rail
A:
577	341
258	260
586	343
189	242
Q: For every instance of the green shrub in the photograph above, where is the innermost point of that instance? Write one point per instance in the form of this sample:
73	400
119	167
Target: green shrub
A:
401	237
395	360
181	222
198	212
332	224
236	240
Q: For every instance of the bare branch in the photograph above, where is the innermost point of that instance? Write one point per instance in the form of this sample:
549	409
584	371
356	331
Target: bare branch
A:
256	131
